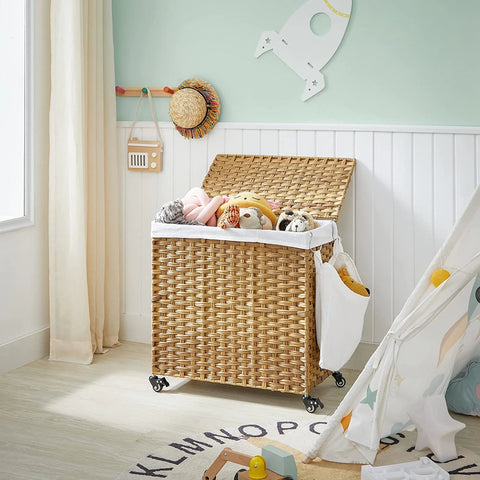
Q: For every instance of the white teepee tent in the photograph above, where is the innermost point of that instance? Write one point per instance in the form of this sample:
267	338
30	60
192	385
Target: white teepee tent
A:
434	336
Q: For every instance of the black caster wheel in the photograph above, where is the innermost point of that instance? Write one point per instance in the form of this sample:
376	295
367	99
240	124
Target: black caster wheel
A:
311	404
340	381
236	475
158	383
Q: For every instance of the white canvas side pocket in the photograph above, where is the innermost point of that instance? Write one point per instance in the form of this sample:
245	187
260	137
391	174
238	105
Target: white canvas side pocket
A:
339	312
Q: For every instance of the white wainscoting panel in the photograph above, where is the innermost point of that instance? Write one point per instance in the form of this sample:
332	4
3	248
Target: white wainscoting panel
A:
409	187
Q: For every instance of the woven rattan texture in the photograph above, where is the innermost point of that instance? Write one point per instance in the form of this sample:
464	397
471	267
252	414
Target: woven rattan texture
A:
317	185
236	313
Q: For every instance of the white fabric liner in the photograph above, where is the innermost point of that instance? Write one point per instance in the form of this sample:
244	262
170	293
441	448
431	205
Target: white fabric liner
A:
325	233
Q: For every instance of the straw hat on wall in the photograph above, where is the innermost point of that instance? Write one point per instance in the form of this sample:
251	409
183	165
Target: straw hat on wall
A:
194	108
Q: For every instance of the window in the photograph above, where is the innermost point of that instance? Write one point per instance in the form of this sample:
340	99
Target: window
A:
16	206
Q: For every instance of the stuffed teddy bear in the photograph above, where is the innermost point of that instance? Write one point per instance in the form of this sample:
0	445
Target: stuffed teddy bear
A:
353	285
252	218
230	218
251	199
296	221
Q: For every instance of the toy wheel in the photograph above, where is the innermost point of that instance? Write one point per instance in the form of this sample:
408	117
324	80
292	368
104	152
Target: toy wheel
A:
208	478
340	381
236	475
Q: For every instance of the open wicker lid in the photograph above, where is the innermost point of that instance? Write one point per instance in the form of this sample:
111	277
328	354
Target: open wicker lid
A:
316	185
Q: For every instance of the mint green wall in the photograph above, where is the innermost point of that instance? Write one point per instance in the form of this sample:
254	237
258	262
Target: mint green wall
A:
401	62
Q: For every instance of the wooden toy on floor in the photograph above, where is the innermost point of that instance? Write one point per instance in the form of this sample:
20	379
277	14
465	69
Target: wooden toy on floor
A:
281	465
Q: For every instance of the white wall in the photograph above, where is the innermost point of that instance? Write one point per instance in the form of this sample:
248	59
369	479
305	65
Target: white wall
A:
410	185
24	252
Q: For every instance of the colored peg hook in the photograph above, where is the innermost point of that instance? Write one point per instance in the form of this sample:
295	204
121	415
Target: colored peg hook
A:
120	90
145	90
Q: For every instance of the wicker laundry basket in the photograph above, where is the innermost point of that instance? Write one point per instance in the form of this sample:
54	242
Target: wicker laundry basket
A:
244	313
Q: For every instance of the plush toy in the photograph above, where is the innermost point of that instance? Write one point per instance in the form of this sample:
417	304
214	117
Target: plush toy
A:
284	219
172	212
351	283
230	217
252	218
251	199
197	205
195	208
296	221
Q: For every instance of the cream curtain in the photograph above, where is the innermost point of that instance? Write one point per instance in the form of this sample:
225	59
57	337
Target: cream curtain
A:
83	182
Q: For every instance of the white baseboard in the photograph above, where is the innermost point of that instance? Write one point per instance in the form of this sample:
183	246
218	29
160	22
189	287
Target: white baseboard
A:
135	327
361	356
25	349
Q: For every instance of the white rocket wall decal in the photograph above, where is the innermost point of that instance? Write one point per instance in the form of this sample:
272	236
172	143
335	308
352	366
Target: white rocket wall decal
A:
304	51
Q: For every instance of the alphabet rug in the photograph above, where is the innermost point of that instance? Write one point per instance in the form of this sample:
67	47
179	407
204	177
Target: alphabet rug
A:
188	457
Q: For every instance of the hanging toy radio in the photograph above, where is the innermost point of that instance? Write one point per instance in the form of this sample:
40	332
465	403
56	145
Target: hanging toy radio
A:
145	155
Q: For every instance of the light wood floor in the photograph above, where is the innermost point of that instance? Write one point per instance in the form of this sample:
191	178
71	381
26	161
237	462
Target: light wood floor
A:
66	421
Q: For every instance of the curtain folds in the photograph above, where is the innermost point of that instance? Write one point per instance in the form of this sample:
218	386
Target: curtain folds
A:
84	200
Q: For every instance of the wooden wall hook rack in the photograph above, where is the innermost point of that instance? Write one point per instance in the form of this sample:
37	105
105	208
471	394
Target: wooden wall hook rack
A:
139	91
